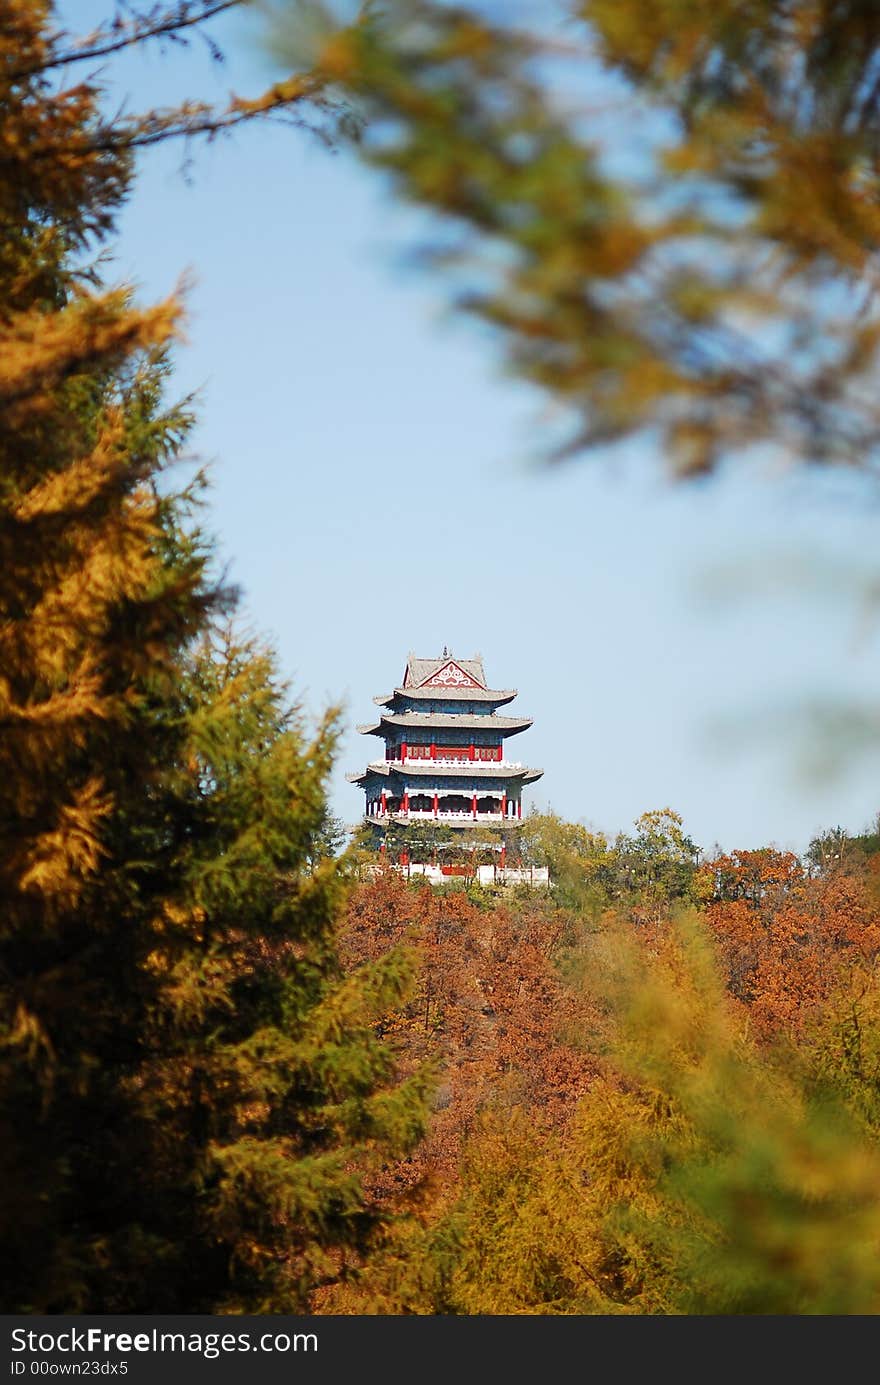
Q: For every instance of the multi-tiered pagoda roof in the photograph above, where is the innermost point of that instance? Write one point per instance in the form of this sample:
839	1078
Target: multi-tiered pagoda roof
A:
444	754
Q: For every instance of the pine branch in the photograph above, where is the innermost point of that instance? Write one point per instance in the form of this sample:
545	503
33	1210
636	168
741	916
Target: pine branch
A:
113	38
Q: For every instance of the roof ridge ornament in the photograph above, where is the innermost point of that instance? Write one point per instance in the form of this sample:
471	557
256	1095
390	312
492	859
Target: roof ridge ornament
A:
450	674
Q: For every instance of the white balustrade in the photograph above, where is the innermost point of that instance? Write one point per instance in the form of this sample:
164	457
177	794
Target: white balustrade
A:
461	762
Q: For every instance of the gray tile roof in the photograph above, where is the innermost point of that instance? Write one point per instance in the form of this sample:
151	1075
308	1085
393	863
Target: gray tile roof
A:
417	670
496	695
430	769
446	721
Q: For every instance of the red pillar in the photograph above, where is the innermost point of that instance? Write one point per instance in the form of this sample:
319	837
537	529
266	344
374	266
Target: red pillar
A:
474	804
519	808
406	800
504	804
471	751
403	750
503	855
384	805
433	751
436	804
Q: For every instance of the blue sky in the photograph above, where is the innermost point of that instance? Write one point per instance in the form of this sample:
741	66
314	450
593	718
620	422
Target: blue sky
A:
375	491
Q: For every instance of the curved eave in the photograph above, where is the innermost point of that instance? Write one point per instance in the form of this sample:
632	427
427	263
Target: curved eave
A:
469	769
498	696
441	721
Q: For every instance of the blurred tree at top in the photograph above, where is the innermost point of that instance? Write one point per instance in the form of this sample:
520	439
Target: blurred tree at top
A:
665	210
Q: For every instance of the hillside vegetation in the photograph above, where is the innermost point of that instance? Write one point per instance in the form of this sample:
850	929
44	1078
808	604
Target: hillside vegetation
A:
658	1089
236	1077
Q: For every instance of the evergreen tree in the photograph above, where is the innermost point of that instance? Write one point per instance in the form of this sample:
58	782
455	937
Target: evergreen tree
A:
189	1093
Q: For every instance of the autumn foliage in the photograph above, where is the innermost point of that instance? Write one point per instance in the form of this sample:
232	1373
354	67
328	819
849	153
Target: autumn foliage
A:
641	1110
786	938
490	1004
241	1074
191	1094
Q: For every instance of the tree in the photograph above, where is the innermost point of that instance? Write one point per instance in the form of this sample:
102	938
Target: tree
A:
788	941
189	1092
657	866
578	859
331	838
264	1068
511	1037
698	1175
302	102
688	253
835	850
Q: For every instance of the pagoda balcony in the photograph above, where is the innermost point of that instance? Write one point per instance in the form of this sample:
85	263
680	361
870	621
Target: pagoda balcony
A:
457	761
450	817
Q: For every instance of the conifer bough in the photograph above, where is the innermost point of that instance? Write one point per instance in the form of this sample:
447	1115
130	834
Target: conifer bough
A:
191	1094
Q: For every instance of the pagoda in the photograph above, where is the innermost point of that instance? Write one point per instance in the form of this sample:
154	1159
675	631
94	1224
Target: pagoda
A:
444	754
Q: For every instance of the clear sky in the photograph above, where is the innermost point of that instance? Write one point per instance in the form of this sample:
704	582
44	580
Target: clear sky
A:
375	491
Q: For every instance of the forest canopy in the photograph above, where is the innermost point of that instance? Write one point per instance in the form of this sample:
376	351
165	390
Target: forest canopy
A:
244	1072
